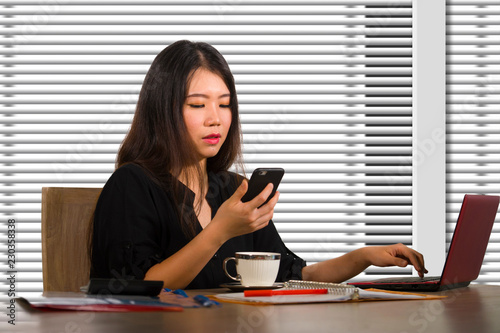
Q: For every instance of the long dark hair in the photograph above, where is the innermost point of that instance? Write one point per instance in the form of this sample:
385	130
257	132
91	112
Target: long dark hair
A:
158	140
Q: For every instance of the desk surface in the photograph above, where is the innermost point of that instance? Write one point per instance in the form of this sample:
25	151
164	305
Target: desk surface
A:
472	309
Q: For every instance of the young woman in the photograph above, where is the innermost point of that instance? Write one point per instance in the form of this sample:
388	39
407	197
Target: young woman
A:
172	211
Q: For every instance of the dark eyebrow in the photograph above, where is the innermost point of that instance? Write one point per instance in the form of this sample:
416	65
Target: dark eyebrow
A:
206	96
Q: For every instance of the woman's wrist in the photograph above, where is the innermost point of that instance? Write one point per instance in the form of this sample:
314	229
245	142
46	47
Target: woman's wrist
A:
214	235
363	256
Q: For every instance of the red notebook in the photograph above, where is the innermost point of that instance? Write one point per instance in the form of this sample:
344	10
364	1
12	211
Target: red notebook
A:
103	304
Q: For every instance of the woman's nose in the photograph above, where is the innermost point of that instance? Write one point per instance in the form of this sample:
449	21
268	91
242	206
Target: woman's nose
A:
213	118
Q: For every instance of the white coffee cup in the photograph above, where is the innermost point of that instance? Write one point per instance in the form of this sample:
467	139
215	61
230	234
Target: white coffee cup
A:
255	268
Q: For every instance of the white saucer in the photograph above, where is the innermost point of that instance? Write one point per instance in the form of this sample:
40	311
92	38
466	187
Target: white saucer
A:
236	286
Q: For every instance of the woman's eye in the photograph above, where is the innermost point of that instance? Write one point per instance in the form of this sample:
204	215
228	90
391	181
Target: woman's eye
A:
196	106
225	106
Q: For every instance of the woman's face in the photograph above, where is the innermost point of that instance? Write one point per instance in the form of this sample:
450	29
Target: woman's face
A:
207	113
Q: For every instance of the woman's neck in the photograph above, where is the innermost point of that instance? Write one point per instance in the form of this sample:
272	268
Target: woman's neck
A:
195	179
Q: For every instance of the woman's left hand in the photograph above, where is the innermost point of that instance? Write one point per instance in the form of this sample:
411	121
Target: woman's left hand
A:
395	255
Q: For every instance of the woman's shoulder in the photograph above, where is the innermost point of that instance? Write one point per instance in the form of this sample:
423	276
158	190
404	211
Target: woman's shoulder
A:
129	175
127	171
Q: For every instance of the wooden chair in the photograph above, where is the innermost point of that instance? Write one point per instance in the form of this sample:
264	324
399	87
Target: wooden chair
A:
67	214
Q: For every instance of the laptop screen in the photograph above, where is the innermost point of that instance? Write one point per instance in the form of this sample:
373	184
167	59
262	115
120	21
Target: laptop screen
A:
470	239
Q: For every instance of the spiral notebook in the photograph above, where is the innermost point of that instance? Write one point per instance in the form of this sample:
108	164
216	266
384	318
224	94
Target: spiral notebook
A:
335	293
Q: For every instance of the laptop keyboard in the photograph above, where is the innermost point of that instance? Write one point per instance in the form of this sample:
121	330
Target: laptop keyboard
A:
409	279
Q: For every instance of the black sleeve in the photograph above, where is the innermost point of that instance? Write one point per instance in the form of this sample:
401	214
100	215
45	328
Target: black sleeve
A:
126	227
268	240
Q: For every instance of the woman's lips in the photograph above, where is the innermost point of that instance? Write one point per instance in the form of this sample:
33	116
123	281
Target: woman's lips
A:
212	139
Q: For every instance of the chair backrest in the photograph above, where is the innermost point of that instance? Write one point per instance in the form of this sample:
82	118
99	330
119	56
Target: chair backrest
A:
67	215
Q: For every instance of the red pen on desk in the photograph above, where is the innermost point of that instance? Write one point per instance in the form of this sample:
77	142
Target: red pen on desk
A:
264	293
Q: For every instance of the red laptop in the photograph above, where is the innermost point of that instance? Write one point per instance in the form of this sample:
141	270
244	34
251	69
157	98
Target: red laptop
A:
465	255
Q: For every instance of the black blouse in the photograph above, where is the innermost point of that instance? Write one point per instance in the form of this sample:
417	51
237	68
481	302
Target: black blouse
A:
136	226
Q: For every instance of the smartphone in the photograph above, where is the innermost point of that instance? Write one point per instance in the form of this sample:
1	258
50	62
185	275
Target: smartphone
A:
259	180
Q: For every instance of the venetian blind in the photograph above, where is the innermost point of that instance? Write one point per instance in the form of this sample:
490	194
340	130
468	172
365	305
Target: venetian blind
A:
473	114
324	87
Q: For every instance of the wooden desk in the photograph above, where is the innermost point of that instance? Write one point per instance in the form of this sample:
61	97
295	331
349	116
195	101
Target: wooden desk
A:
472	309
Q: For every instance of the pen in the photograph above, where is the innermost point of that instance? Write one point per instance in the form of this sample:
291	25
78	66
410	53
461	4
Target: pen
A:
180	292
176	292
264	293
205	301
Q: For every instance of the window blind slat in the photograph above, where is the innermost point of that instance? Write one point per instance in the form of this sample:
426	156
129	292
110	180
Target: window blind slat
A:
311	238
208	8
249	140
473	2
237	49
224	4
31	195
326	179
282	118
64	162
29	59
100	89
276	126
208	29
214	18
245	109
237	69
248	79
277	39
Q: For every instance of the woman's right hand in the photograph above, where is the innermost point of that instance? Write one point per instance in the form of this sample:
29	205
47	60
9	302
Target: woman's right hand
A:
235	218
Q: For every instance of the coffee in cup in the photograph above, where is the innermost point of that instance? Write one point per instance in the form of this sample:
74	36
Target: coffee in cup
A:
255	269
